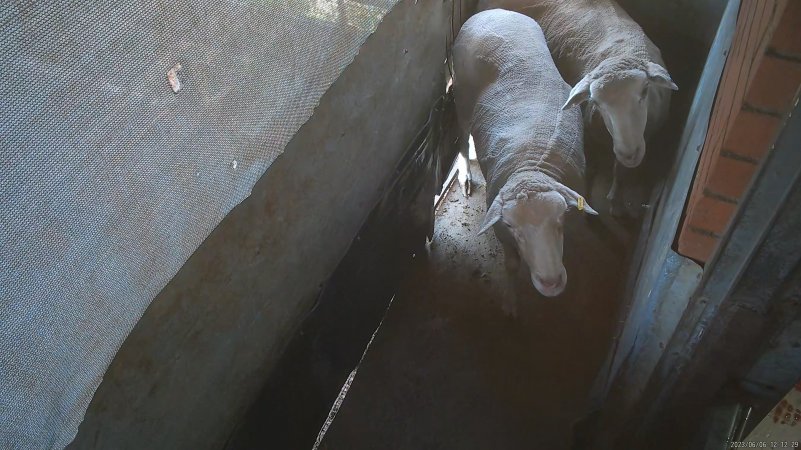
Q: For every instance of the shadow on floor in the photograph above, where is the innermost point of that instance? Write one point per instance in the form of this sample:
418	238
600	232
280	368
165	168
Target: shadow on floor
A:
449	370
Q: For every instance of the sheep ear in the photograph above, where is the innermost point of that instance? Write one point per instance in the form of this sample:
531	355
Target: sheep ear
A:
659	76
493	215
579	94
587	208
575	200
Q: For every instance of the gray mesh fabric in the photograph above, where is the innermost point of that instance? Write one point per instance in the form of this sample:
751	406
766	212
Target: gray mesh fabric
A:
109	180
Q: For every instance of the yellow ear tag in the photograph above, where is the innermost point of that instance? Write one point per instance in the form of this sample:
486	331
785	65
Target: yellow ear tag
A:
580	203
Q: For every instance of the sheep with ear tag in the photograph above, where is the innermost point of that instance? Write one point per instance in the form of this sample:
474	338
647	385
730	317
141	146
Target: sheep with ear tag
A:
617	71
509	97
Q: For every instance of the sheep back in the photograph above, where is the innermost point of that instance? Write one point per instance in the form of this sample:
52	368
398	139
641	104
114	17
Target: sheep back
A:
509	95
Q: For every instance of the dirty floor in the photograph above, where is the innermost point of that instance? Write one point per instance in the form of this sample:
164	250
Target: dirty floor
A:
449	370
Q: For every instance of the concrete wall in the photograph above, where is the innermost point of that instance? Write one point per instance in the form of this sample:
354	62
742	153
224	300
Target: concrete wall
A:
194	362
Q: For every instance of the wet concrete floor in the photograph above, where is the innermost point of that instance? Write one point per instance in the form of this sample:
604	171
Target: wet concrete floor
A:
449	370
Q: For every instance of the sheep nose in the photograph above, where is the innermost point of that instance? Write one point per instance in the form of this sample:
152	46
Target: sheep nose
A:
552	285
632	160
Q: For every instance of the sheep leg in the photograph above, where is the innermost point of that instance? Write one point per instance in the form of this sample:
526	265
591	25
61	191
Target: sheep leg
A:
612	196
463	165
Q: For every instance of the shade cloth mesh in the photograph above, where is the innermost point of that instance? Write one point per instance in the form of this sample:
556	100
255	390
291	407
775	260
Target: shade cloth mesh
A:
109	180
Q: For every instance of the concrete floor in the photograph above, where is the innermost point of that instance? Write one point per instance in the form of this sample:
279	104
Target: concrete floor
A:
449	370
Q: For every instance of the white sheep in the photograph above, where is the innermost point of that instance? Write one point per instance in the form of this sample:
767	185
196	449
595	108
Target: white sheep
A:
508	97
612	64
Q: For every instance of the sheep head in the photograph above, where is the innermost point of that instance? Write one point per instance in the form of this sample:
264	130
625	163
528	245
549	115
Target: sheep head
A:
619	89
535	219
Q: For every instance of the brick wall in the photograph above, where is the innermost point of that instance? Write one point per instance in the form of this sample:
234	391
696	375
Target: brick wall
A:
758	88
